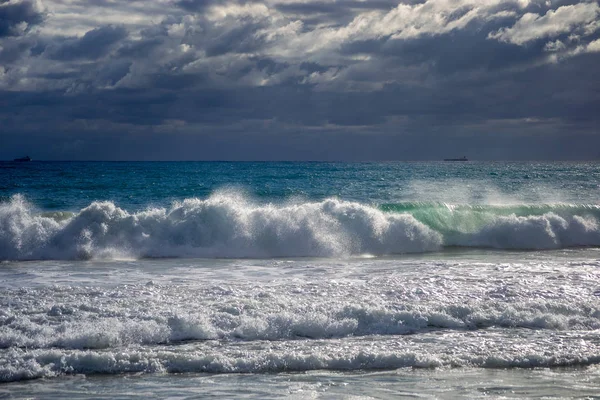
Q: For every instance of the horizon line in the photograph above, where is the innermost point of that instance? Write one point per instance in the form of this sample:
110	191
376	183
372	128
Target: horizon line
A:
310	161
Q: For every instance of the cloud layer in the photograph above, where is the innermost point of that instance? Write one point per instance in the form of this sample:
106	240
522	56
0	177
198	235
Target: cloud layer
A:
197	79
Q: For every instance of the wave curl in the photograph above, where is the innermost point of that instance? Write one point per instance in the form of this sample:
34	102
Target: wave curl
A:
228	225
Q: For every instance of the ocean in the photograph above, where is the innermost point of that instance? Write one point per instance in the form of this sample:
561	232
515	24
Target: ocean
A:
299	280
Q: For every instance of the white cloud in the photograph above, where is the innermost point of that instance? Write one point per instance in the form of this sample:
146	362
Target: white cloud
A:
593	46
287	39
565	19
557	45
227	11
406	21
76	17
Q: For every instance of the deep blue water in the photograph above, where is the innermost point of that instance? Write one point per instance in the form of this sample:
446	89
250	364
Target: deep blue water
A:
136	185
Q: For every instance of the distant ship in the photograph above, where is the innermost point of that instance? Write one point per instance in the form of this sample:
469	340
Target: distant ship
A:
23	159
457	159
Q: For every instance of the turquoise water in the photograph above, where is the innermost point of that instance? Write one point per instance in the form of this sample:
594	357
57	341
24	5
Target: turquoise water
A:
135	185
257	210
320	280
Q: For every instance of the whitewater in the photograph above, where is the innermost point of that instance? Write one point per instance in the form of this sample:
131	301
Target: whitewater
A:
299	280
226	225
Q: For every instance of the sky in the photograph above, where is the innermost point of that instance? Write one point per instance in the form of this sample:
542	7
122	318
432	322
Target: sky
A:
325	80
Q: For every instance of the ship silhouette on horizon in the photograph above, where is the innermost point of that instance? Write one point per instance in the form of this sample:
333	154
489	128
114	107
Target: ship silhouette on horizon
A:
464	158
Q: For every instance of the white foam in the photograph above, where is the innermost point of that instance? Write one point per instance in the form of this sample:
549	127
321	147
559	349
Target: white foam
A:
313	314
374	354
76	325
224	225
547	231
227	225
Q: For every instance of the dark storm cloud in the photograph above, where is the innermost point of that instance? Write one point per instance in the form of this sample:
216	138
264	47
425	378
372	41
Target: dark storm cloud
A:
334	7
13	50
336	12
311	67
17	17
114	72
533	93
140	48
306	80
94	44
195	5
138	107
202	5
238	39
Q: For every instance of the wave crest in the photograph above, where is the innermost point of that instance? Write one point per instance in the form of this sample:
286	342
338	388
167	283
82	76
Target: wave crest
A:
228	225
223	225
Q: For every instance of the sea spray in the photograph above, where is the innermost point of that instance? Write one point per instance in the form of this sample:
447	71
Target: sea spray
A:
229	225
219	226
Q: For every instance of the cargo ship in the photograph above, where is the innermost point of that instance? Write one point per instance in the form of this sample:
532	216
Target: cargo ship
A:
457	159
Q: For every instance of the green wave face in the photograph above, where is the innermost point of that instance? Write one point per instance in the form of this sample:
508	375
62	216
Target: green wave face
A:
58	216
466	218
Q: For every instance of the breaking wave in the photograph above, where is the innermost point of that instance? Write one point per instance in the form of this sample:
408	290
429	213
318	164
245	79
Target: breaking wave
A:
229	225
76	328
286	356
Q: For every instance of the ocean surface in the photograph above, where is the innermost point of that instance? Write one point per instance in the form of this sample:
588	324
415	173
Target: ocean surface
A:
299	280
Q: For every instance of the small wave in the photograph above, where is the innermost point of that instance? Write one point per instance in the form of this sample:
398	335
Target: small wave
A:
228	225
33	364
72	327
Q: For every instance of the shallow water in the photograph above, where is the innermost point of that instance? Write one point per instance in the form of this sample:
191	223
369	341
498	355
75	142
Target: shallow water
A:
402	383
